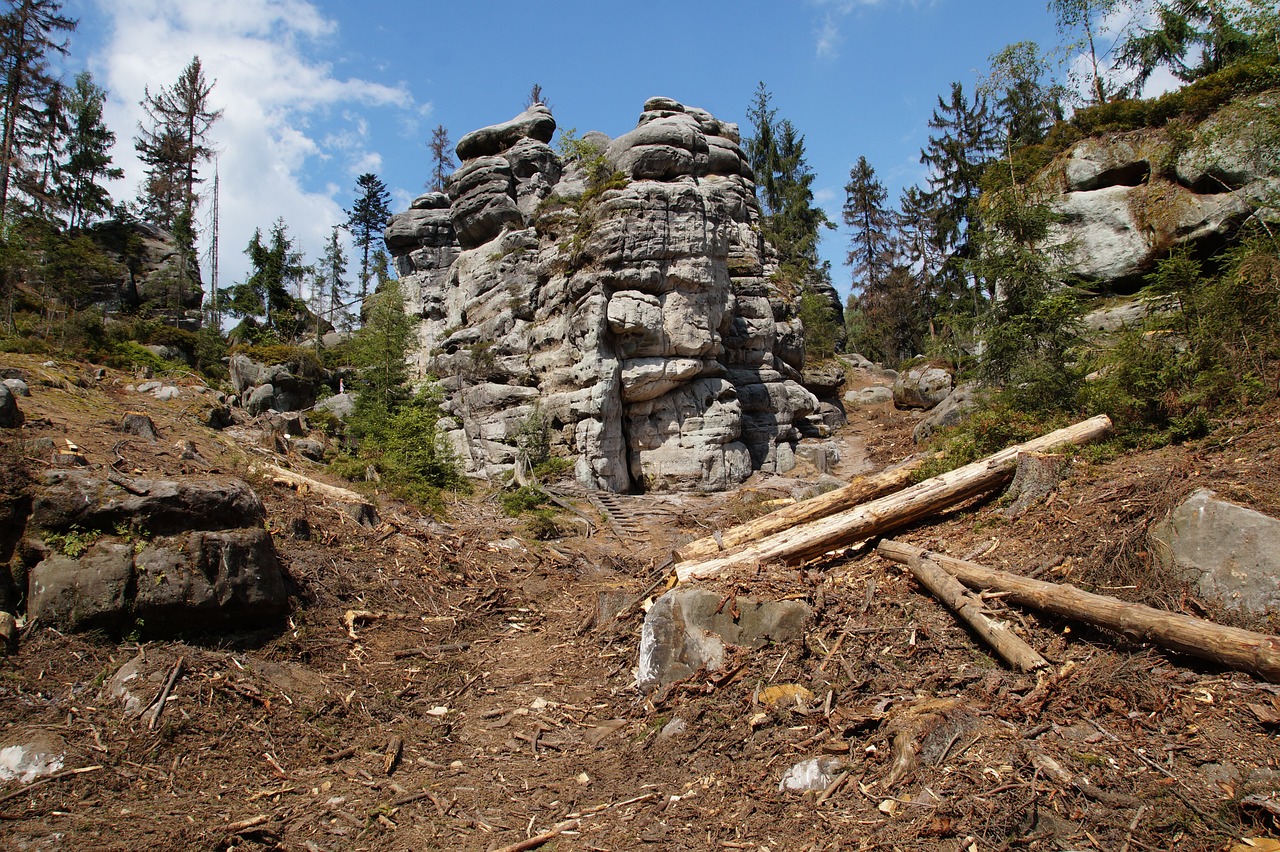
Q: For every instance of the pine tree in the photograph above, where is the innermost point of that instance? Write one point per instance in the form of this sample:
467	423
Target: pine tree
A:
175	143
442	163
29	33
367	219
88	156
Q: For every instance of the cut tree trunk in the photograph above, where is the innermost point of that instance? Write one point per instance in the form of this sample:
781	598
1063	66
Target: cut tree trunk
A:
860	490
969	608
1232	647
877	517
360	508
1037	476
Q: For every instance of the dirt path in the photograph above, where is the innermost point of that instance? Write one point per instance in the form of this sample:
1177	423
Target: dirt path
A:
475	704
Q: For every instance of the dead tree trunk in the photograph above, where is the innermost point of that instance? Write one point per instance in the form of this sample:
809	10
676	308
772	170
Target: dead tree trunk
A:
1227	646
842	529
858	491
969	609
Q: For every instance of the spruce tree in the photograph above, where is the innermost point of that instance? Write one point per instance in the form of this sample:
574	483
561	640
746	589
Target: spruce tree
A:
273	288
442	163
333	289
762	149
1029	102
175	143
88	156
869	222
957	157
367	219
29	32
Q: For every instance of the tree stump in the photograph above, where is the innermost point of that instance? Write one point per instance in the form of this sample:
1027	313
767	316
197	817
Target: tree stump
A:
1037	476
139	425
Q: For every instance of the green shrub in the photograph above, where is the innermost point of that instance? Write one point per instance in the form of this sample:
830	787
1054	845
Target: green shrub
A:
1218	352
988	430
526	498
404	446
302	360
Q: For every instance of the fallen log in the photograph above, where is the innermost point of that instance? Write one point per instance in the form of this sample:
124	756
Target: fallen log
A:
298	482
969	609
1231	647
877	517
860	490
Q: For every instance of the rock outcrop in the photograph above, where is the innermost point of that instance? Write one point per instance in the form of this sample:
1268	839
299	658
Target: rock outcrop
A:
620	302
1127	198
163	557
149	272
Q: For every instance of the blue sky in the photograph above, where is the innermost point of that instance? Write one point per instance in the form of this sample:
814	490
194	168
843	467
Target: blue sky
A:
317	91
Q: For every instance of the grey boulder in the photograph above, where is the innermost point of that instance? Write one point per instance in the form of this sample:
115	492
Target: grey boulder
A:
1230	553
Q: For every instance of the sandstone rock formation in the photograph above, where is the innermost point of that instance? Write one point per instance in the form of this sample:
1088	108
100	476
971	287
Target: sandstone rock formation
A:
620	304
1127	198
164	556
147	273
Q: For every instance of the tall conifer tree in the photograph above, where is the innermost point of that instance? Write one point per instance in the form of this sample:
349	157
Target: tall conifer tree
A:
367	219
30	30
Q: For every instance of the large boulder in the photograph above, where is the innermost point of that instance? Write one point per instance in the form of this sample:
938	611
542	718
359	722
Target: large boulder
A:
10	414
534	123
947	413
687	630
1230	553
1125	199
164	557
922	386
87	501
289	386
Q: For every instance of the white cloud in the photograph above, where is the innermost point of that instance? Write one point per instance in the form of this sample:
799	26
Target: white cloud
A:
283	109
828	34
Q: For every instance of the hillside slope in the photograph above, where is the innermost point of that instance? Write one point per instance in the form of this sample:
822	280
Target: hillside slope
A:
444	683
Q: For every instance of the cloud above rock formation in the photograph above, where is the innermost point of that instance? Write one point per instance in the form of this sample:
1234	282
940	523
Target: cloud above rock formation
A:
284	106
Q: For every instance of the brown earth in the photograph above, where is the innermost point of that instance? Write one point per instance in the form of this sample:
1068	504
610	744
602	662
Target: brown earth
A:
479	701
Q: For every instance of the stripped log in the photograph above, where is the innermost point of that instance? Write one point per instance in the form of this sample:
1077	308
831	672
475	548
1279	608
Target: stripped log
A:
811	540
968	608
1231	647
860	490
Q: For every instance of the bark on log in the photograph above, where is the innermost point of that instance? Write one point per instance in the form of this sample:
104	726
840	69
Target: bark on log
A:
297	481
969	609
860	490
1232	647
893	511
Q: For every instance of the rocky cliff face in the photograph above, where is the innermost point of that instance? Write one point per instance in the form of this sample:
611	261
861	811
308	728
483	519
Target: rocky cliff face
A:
619	305
1128	198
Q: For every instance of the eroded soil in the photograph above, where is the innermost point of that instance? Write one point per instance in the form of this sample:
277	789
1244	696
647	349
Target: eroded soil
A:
445	683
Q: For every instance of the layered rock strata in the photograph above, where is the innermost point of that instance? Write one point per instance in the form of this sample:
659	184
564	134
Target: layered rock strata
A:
1126	199
617	308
